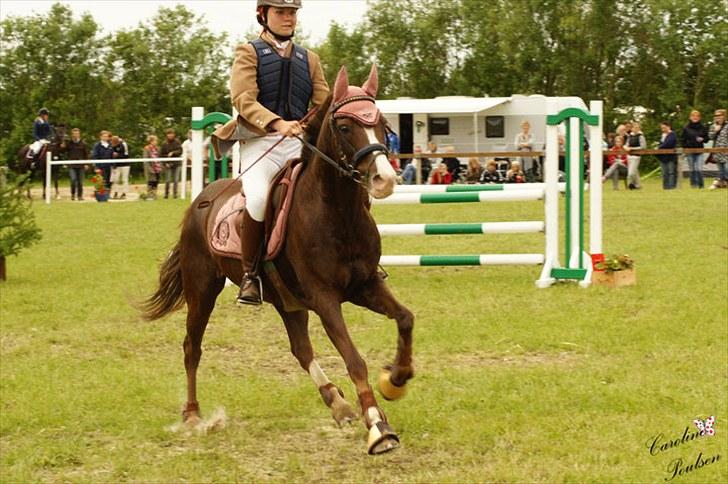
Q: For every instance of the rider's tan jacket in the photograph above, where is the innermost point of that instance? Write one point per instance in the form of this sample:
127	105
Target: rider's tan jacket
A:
244	88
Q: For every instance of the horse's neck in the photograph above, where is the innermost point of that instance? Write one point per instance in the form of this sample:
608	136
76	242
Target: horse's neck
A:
338	194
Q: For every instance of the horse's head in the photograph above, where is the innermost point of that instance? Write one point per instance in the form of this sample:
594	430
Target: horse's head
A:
359	129
59	132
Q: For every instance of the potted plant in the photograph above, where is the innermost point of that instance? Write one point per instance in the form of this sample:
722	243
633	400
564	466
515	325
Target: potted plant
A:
100	192
615	271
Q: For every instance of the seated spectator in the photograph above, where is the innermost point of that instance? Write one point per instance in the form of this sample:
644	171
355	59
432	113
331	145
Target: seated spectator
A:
491	174
617	162
515	174
475	171
453	164
441	176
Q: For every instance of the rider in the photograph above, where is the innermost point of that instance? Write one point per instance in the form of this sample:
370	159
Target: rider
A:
41	132
272	83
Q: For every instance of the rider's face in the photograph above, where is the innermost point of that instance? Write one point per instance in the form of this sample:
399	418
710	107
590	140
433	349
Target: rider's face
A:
282	20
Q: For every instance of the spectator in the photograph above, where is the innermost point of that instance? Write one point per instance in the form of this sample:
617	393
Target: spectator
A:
453	164
719	135
491	173
610	139
441	175
635	141
668	141
171	148
627	131
694	134
102	150
617	162
475	171
409	174
393	146
524	142
515	174
120	173
77	150
152	169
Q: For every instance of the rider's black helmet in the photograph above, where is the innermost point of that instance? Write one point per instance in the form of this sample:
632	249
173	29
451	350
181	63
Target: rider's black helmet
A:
43	111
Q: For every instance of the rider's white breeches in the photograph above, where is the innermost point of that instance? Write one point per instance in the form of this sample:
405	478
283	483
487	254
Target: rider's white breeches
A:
256	181
35	147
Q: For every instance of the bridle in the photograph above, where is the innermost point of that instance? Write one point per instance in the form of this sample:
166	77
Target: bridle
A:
347	167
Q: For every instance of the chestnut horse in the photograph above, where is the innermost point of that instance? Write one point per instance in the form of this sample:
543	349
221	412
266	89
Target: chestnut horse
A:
331	256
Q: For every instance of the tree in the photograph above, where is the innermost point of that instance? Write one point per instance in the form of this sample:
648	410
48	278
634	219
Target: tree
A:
17	221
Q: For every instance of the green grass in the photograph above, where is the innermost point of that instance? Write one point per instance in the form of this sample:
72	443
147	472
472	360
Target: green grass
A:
513	383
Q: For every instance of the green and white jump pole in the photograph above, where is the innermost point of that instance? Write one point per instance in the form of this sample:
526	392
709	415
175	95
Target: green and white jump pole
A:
199	123
578	263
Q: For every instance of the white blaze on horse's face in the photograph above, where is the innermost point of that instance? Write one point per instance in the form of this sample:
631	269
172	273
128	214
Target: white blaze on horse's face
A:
383	179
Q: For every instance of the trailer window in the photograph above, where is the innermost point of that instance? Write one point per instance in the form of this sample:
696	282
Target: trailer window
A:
439	126
495	127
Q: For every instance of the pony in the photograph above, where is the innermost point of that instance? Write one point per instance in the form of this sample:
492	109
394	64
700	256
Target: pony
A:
38	164
331	256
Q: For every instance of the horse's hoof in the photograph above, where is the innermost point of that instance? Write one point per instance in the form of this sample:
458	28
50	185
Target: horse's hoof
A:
388	389
342	412
192	421
381	439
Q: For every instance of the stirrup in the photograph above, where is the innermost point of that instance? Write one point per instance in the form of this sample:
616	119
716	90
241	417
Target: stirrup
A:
252	279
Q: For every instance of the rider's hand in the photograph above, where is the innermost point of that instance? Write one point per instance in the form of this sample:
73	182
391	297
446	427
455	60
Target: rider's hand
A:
287	128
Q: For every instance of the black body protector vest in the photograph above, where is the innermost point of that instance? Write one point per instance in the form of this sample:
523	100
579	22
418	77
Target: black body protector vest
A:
284	85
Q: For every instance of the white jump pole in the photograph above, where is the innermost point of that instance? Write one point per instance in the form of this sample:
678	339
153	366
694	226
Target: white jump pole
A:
575	143
551	203
183	176
595	178
49	168
198	136
236	152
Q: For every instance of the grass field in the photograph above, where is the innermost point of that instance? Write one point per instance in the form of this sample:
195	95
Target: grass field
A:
513	383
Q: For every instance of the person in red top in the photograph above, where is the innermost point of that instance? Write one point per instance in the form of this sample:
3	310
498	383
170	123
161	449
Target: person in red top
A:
617	162
441	176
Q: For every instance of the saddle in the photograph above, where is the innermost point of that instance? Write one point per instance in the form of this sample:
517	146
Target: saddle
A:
35	158
223	228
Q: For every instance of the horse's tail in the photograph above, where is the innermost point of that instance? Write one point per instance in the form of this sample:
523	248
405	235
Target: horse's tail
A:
169	296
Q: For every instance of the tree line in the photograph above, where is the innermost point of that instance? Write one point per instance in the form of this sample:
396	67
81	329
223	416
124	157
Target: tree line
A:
667	56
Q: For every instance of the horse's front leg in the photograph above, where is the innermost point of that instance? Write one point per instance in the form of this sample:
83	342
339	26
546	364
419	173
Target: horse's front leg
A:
377	297
297	327
381	436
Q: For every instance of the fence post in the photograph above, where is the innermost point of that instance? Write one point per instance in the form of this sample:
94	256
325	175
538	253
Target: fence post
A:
197	139
595	184
49	169
551	203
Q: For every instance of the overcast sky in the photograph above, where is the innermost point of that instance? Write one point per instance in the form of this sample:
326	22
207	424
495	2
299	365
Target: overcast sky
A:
236	17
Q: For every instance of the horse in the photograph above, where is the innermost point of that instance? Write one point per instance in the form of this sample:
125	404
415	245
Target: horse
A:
331	256
38	164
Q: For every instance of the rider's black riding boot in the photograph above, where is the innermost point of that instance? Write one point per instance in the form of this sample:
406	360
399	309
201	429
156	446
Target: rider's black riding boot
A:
252	234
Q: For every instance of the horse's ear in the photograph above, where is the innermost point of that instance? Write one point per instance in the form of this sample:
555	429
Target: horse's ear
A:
341	86
372	83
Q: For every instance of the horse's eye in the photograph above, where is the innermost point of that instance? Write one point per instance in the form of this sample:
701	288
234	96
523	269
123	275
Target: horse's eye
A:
344	129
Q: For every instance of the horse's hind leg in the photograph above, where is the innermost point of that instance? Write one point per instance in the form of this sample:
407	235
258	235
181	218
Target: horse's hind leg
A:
201	291
377	297
297	327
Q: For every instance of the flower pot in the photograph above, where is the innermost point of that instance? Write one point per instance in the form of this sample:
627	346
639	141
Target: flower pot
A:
627	277
101	197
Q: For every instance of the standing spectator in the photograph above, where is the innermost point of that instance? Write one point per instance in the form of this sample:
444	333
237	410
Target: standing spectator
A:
635	141
103	151
475	171
627	131
693	135
719	134
171	148
77	150
617	162
393	146
491	173
152	169
515	174
120	174
441	175
524	142
668	141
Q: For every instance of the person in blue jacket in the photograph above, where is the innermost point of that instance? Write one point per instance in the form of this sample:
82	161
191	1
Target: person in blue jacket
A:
41	132
668	141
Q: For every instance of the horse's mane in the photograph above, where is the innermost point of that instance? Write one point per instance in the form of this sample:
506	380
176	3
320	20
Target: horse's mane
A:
313	128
